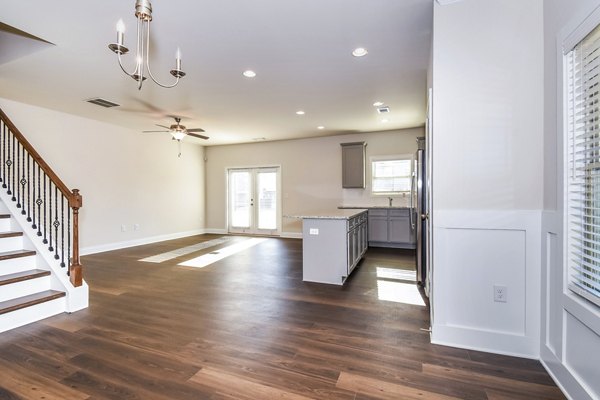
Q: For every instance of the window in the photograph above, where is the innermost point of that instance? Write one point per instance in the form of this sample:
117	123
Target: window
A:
391	175
583	169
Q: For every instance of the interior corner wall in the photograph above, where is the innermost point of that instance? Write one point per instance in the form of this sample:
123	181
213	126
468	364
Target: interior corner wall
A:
311	173
125	178
487	174
570	326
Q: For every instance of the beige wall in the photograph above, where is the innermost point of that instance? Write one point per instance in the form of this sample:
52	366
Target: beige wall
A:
311	172
124	177
488	105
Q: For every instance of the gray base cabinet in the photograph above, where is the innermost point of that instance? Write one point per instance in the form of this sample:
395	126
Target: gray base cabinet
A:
332	248
391	228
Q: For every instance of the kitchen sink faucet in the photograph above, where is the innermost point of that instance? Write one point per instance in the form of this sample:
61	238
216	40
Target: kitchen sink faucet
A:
390	199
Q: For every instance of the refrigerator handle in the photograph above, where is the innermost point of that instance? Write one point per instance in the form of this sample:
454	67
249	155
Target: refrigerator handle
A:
412	192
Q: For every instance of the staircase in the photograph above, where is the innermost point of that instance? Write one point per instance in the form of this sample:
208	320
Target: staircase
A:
40	274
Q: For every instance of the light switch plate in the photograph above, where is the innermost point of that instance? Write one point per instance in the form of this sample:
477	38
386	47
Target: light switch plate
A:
313	231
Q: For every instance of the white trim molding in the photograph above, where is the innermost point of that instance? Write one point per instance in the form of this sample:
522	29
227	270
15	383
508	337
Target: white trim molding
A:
139	242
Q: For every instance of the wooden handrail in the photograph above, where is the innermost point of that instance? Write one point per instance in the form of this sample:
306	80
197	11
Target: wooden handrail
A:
36	156
74	199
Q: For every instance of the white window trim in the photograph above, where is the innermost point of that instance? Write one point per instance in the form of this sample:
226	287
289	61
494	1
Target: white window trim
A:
386	158
569	38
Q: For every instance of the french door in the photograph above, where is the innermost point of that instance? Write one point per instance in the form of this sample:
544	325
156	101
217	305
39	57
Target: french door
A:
254	200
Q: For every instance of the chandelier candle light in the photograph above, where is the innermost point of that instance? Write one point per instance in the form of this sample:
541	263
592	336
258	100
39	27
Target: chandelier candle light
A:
143	13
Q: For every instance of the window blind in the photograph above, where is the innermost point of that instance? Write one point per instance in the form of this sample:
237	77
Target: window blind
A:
391	176
583	169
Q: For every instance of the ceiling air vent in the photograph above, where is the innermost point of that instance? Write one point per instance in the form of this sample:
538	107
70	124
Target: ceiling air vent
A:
383	110
102	102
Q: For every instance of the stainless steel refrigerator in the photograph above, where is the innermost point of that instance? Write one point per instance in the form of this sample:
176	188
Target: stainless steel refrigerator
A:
421	211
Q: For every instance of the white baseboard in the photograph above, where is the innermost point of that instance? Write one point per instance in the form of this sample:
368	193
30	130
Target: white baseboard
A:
291	235
478	340
139	242
214	231
563	378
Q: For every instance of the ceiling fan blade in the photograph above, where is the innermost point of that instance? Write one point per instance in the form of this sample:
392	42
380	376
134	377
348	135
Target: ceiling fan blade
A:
196	130
162	126
196	135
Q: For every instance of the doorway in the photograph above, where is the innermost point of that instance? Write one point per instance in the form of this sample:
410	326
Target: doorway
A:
254	200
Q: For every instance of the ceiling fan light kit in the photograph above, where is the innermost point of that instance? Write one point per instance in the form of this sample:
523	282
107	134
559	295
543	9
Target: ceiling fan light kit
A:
143	13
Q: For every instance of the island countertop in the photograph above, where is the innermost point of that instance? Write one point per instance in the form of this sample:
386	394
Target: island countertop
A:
332	214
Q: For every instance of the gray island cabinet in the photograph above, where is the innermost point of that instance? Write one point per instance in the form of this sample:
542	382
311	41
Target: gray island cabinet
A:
332	245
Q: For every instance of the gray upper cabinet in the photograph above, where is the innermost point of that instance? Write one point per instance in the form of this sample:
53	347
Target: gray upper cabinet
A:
353	165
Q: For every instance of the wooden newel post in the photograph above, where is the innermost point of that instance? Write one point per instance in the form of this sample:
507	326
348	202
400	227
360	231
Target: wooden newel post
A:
75	270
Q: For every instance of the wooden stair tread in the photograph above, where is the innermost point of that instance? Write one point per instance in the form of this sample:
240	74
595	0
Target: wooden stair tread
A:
23	276
5	216
28	301
10	234
7	255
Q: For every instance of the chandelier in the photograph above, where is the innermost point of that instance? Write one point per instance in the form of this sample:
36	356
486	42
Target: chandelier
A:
143	13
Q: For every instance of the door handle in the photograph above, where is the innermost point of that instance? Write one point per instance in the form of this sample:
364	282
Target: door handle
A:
425	216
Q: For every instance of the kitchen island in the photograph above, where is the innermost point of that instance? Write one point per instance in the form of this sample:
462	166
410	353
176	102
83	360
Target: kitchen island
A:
333	244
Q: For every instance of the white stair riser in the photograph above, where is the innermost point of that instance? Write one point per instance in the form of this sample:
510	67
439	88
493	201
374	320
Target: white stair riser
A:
24	288
31	314
11	243
15	265
5	224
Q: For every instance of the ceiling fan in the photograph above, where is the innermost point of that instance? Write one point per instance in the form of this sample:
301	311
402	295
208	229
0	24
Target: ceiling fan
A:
179	131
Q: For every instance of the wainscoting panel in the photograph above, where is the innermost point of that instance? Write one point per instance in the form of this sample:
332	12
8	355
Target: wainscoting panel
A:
474	251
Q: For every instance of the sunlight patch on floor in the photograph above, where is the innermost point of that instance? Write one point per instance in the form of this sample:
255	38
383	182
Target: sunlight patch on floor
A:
399	292
397	274
169	255
207	259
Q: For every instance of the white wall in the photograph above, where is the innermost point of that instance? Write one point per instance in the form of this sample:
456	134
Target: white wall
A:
124	177
488	173
570	327
311	173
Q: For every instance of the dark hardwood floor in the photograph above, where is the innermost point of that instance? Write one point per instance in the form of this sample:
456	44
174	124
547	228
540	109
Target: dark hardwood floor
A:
248	328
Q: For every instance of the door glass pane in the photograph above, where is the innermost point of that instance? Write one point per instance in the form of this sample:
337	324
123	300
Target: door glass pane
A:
240	200
267	200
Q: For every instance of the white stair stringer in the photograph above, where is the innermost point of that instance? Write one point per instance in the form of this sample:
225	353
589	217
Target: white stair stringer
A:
75	298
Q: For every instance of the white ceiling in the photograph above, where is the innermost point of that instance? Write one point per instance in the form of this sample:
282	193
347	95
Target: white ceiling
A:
300	50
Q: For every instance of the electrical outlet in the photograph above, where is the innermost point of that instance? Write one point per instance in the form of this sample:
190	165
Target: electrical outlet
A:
123	228
313	231
136	227
500	293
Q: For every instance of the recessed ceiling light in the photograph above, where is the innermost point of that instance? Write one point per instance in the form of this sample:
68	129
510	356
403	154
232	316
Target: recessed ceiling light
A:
385	121
359	52
249	74
378	104
320	127
300	112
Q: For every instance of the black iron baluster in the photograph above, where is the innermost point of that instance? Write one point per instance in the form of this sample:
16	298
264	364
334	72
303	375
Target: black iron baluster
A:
33	197
28	198
49	207
62	230
39	201
3	154
56	223
69	238
23	181
45	241
9	163
17	187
